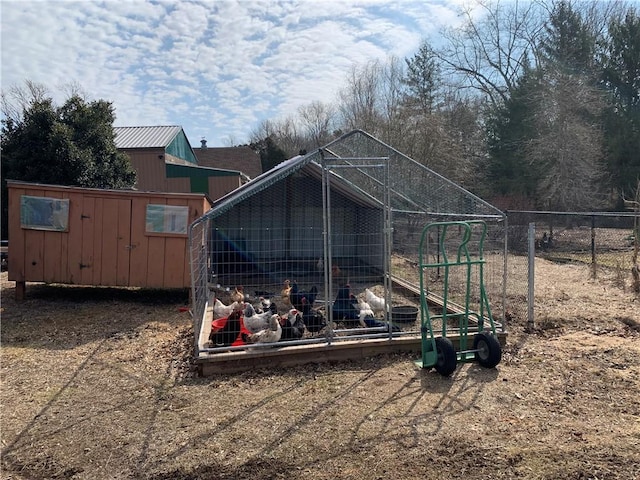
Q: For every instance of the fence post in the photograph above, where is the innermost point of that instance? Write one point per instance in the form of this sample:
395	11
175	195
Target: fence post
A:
594	266
532	261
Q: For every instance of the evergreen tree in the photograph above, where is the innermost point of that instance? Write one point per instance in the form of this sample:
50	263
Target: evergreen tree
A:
509	129
621	78
422	80
567	148
567	44
270	153
70	145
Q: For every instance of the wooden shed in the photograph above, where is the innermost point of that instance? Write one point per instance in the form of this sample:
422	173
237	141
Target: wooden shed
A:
164	161
86	236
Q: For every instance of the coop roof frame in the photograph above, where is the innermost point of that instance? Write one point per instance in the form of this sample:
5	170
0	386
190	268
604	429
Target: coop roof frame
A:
313	162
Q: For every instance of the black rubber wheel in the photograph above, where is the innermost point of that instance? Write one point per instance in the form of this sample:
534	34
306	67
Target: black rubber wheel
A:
447	358
489	351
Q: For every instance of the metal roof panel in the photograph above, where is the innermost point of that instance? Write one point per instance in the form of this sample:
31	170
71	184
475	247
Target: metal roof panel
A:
145	137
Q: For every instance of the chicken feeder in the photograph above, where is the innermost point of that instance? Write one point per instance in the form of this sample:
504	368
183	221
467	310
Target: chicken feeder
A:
404	314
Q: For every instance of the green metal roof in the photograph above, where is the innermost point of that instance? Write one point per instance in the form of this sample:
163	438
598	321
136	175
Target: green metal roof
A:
171	138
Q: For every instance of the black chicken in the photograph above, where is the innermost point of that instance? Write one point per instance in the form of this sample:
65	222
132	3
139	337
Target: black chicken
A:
229	330
292	325
313	319
296	296
344	307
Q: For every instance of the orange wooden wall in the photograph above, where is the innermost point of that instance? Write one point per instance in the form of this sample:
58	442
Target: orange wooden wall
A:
106	242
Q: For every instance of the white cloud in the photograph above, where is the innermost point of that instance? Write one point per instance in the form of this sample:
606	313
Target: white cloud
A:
216	68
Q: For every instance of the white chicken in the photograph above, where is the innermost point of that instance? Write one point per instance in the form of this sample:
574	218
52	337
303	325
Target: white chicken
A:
255	322
365	311
221	310
271	334
377	303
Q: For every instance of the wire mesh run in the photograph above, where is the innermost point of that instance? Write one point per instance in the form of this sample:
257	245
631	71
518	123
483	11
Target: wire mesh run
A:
340	225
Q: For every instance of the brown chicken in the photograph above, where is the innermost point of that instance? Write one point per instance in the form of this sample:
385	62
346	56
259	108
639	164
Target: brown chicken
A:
238	294
286	291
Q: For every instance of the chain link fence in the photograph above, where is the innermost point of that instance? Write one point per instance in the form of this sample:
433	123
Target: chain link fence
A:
605	243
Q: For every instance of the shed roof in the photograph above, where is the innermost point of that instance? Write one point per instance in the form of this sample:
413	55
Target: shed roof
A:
234	158
146	137
412	187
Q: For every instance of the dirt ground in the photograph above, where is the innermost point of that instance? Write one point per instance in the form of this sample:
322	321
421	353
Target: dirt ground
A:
97	384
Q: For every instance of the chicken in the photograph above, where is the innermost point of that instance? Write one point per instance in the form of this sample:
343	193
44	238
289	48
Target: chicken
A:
372	322
254	322
285	293
377	303
292	325
267	305
238	294
365	312
344	306
313	319
221	310
296	296
227	330
271	334
336	273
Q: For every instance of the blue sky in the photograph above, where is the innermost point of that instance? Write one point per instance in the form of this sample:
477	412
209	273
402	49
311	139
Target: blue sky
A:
215	67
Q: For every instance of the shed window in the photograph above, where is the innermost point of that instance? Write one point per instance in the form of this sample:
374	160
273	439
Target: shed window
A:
167	219
44	213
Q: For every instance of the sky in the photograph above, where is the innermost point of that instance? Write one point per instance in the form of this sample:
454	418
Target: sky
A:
218	68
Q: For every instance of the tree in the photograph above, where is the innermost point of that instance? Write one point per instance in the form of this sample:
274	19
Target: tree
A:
567	44
567	148
423	80
360	98
317	121
621	78
270	153
509	129
488	52
69	145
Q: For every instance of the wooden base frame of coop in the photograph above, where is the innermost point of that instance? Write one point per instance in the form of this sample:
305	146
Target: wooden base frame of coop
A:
239	361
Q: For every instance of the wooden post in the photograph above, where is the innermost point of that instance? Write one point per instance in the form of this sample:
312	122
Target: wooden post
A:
21	288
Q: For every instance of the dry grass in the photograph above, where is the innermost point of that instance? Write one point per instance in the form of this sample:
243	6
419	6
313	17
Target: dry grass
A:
97	384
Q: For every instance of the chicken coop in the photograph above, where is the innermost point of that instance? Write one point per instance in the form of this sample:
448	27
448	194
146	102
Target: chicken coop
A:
90	236
339	226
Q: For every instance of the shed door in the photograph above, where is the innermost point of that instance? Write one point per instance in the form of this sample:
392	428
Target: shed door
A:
104	252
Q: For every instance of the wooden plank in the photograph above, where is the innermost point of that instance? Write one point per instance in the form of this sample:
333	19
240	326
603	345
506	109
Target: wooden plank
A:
176	272
74	253
238	361
109	265
139	243
53	266
87	218
34	255
156	266
124	242
175	258
65	274
53	270
34	249
98	233
17	257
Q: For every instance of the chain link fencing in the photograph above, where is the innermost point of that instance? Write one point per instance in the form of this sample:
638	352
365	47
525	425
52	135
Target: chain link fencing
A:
605	243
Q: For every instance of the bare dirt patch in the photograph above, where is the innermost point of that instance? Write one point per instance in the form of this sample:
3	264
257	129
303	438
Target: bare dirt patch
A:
98	384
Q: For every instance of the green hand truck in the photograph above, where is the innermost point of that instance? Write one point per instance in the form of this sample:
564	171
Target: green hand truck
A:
439	352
